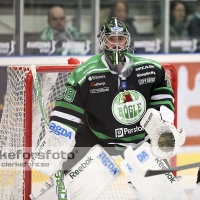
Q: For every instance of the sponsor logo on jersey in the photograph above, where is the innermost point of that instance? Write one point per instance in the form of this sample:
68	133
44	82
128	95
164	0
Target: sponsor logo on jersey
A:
112	167
143	156
87	70
79	69
146	80
146	74
144	67
93	84
98	90
58	130
80	168
128	107
91	78
169	175
121	132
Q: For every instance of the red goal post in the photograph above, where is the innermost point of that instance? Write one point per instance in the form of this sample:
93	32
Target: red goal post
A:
27	99
171	74
28	117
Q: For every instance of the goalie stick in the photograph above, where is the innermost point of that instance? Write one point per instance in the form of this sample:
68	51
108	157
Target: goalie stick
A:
151	172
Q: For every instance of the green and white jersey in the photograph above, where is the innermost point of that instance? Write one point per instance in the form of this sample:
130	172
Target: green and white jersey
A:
113	107
68	34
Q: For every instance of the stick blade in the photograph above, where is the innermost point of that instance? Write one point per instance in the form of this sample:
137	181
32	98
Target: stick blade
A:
150	173
173	169
156	172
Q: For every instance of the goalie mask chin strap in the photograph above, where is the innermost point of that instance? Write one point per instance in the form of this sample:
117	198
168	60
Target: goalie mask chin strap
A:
115	67
123	69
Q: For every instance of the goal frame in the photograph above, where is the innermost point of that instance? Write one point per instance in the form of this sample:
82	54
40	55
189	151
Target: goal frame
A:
28	116
28	110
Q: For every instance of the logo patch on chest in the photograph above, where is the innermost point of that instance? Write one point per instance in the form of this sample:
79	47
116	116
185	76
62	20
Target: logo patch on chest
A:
128	107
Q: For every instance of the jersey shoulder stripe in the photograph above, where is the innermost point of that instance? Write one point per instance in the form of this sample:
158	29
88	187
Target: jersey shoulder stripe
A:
94	60
164	88
71	124
91	66
168	103
93	71
162	96
69	106
65	116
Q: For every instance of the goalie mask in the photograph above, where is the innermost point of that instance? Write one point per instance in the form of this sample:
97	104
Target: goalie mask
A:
114	41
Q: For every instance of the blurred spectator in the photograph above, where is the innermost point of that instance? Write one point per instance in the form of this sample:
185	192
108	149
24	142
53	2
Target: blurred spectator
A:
62	35
178	21
119	9
194	25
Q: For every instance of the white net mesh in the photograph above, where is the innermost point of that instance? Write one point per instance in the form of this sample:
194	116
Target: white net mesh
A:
13	127
51	84
12	135
14	180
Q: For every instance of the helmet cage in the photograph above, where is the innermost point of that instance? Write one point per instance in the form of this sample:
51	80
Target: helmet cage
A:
103	36
118	42
118	46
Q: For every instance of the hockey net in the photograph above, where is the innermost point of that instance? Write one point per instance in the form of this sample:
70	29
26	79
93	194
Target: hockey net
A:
22	127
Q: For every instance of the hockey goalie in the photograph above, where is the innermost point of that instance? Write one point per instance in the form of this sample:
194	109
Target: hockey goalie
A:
112	104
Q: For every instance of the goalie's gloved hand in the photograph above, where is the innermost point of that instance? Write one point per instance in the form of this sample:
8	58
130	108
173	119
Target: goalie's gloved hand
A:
52	150
165	138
